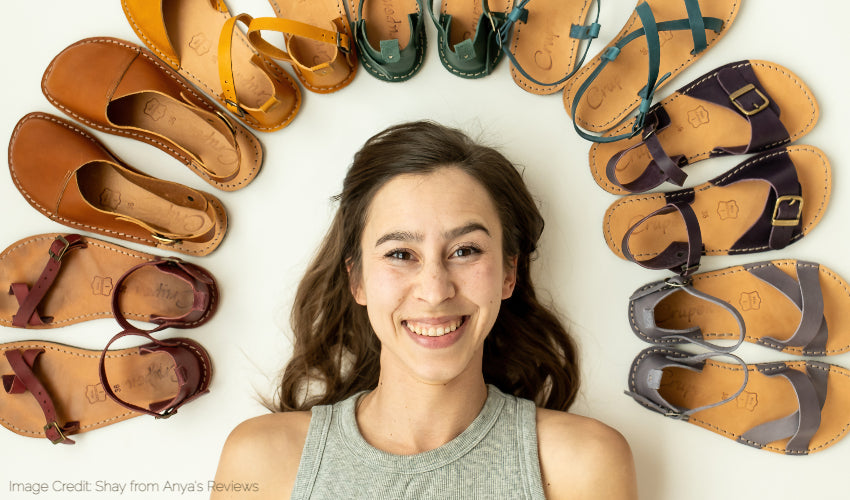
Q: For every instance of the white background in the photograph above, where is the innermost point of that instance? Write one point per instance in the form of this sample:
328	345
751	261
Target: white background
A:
277	221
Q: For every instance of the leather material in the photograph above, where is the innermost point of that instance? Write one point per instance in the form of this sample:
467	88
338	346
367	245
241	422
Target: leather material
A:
101	280
267	98
79	183
468	37
791	407
738	108
766	202
396	49
119	88
67	380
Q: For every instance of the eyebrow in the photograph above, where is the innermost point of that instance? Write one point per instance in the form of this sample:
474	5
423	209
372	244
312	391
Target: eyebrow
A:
418	237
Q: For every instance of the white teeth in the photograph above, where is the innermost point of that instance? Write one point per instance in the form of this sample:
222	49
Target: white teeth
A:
434	332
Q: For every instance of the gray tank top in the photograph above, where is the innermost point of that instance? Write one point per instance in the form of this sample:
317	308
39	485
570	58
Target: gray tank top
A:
494	458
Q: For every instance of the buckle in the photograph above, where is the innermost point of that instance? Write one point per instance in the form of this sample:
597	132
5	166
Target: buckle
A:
167	413
791	199
743	90
164	239
234	107
65	245
54	425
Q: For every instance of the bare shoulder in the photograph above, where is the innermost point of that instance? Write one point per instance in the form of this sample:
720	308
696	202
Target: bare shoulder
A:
583	458
260	457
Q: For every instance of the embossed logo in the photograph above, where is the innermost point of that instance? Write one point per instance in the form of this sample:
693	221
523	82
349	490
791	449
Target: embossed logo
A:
101	285
746	400
663	38
749	301
154	109
543	58
95	393
698	116
200	44
595	95
110	199
727	209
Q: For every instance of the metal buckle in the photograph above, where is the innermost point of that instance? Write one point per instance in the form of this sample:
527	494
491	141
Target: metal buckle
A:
743	90
345	49
164	239
231	105
167	413
791	199
54	425
58	256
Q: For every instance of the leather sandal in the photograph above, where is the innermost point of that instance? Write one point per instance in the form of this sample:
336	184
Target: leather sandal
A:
782	407
54	391
624	76
200	40
54	280
119	88
390	47
541	39
739	108
318	42
69	176
765	203
468	35
796	307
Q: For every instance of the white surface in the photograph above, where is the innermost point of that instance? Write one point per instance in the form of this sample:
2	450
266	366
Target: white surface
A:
276	223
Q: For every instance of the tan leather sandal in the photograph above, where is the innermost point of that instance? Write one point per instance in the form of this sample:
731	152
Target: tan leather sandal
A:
319	45
55	391
55	280
77	182
200	40
120	88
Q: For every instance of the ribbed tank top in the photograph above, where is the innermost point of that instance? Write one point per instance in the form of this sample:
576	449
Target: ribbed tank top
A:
494	458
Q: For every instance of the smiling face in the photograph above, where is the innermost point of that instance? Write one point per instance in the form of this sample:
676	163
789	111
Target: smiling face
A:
433	273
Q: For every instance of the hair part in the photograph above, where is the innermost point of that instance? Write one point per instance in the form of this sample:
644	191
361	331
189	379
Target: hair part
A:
336	353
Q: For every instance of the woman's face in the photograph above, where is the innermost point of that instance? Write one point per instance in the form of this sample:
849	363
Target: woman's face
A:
433	274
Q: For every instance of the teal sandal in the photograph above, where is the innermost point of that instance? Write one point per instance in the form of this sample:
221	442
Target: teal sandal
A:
477	53
390	62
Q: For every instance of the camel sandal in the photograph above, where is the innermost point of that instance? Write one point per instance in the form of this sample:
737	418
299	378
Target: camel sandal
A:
54	280
390	49
318	41
70	177
739	108
468	35
544	48
782	407
200	40
796	307
120	88
616	82
56	391
767	202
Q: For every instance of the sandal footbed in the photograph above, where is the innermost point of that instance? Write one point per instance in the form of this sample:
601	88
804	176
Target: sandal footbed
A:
697	127
725	213
764	399
542	46
388	22
613	94
70	375
83	287
767	312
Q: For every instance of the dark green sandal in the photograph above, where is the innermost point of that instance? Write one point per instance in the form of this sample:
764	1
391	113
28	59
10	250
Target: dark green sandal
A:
473	57
391	62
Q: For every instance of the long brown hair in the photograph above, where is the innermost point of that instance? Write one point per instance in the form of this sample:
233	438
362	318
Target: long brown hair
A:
528	352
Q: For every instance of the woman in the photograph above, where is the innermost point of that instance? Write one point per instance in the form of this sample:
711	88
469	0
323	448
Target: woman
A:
417	320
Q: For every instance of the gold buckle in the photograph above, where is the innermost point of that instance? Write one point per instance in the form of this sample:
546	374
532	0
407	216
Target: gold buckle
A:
58	430
743	90
58	256
164	239
791	199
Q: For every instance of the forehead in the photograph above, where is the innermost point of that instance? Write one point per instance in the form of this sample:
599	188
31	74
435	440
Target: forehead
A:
442	199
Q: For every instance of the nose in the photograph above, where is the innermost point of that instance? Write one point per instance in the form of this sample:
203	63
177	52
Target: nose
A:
434	284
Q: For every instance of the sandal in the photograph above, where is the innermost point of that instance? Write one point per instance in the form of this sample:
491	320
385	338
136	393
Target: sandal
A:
55	391
318	42
55	280
544	48
199	39
468	35
69	176
390	49
767	202
783	407
759	103
616	82
796	307
129	92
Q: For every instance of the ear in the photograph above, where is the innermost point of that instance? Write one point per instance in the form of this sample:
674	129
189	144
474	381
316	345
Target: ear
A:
354	285
510	279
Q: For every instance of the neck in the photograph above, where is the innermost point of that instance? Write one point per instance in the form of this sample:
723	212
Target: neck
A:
405	416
